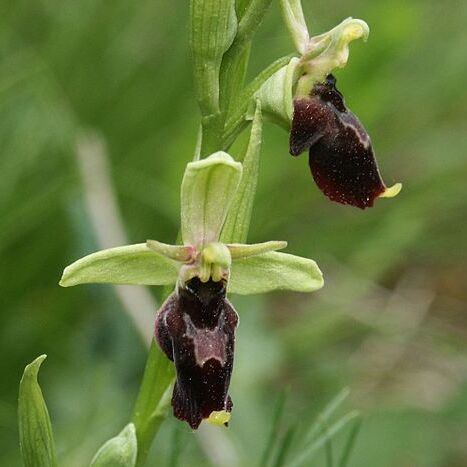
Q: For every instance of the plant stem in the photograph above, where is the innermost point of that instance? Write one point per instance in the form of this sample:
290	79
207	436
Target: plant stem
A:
152	402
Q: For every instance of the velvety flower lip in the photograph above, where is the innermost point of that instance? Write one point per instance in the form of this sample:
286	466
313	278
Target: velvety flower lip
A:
341	156
196	329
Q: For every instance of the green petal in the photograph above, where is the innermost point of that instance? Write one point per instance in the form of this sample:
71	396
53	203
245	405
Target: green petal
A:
176	252
119	451
35	430
131	264
274	271
208	188
240	250
329	51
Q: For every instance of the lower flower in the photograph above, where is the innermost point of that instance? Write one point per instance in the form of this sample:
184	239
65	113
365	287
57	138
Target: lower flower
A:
196	329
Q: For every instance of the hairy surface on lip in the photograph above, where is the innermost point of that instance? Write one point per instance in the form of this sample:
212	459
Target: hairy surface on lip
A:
196	329
341	156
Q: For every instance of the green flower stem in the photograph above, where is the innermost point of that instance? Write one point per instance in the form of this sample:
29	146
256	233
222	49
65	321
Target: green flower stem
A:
152	404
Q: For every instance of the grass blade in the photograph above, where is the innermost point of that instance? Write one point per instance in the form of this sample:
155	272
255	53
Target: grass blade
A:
349	445
275	426
308	453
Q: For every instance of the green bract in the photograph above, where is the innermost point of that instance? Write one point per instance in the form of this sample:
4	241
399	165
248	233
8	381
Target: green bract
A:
120	451
208	189
35	430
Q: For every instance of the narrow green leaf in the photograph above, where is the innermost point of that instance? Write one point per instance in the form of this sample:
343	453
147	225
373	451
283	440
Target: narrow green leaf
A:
275	428
284	447
251	19
35	430
120	451
153	400
323	418
236	119
349	445
233	63
131	264
274	271
213	29
232	77
239	216
308	453
208	189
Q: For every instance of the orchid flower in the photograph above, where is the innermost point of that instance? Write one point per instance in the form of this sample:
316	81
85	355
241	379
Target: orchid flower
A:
302	97
195	326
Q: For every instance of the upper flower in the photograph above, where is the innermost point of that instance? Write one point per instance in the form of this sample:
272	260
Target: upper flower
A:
303	96
195	326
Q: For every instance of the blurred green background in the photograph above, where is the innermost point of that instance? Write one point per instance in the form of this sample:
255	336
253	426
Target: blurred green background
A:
391	322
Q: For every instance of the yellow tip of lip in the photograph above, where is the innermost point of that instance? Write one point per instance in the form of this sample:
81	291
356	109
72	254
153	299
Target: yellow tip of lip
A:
391	191
220	417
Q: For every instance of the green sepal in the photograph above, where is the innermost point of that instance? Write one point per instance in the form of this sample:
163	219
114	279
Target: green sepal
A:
274	271
120	451
235	229
294	18
131	264
35	430
208	188
213	29
240	250
276	94
329	51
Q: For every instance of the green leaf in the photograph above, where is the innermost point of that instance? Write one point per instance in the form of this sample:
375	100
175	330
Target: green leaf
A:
131	264
251	19
213	29
294	19
277	421
35	430
274	271
208	189
234	64
350	443
232	77
310	451
323	418
284	446
238	111
276	94
120	451
238	220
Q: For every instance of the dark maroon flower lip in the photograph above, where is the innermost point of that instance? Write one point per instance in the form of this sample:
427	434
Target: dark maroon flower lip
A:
196	329
341	156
